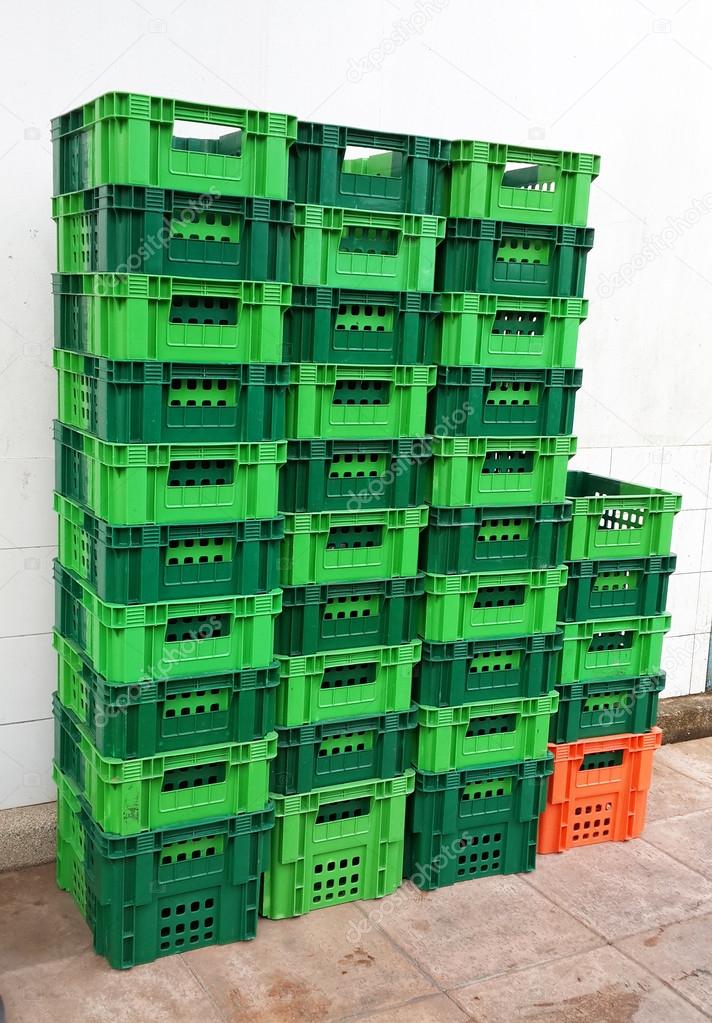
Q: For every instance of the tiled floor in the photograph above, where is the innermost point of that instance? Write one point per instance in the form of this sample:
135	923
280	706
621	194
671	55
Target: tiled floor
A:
609	934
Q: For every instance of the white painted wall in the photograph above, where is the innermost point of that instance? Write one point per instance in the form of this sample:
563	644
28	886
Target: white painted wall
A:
630	79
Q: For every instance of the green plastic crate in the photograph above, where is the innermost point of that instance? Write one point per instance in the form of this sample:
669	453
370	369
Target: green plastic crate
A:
330	547
145	642
348	616
163	403
460	540
168	484
345	684
342	248
347	475
336	325
166	891
134	317
151	140
499	471
529	260
591	709
165	714
476	401
331	753
461	825
519	183
615	587
336	845
357	402
127	797
491	605
145	564
503	332
612	518
118	229
334	165
453	674
612	649
480	734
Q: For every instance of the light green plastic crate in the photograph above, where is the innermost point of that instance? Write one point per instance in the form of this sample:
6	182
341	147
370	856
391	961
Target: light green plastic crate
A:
613	648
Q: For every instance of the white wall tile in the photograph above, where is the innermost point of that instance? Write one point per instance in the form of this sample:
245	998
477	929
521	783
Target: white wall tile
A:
26	763
26	591
706	564
677	664
682	604
640	465
686	470
595	460
700	658
688	542
703	619
29	677
27	518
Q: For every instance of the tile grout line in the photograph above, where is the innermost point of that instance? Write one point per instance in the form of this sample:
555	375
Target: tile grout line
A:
676	859
204	988
368	1013
699	583
661	980
683	774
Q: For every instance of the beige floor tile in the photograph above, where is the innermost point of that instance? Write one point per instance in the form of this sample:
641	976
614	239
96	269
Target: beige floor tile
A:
688	839
692	758
673	794
436	1009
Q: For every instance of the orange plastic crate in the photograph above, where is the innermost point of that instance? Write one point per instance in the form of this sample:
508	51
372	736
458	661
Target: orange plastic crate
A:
598	791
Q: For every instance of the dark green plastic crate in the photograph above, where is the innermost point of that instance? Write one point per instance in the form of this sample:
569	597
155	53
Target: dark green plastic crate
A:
347	475
121	228
537	261
152	140
166	891
452	674
460	540
480	402
588	710
147	564
335	325
163	715
160	402
461	825
341	752
615	587
334	165
318	618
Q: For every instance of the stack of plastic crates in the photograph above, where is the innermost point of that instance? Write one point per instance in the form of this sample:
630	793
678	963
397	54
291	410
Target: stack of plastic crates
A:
174	232
359	337
511	272
613	621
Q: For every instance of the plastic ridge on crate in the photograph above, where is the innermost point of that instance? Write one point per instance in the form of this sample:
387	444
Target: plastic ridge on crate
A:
343	475
326	547
612	518
505	332
615	587
598	791
615	648
460	540
498	471
477	401
491	605
348	616
328	402
341	752
168	639
345	684
334	165
461	825
483	733
335	845
168	484
158	402
344	248
520	183
145	564
591	709
173	319
126	797
528	260
453	674
150	140
337	325
118	229
165	714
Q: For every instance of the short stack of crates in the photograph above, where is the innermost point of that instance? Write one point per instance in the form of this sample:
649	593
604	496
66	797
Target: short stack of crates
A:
613	621
174	233
510	273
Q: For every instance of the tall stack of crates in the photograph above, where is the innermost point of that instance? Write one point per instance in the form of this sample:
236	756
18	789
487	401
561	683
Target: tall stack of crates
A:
359	338
510	273
613	621
174	233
